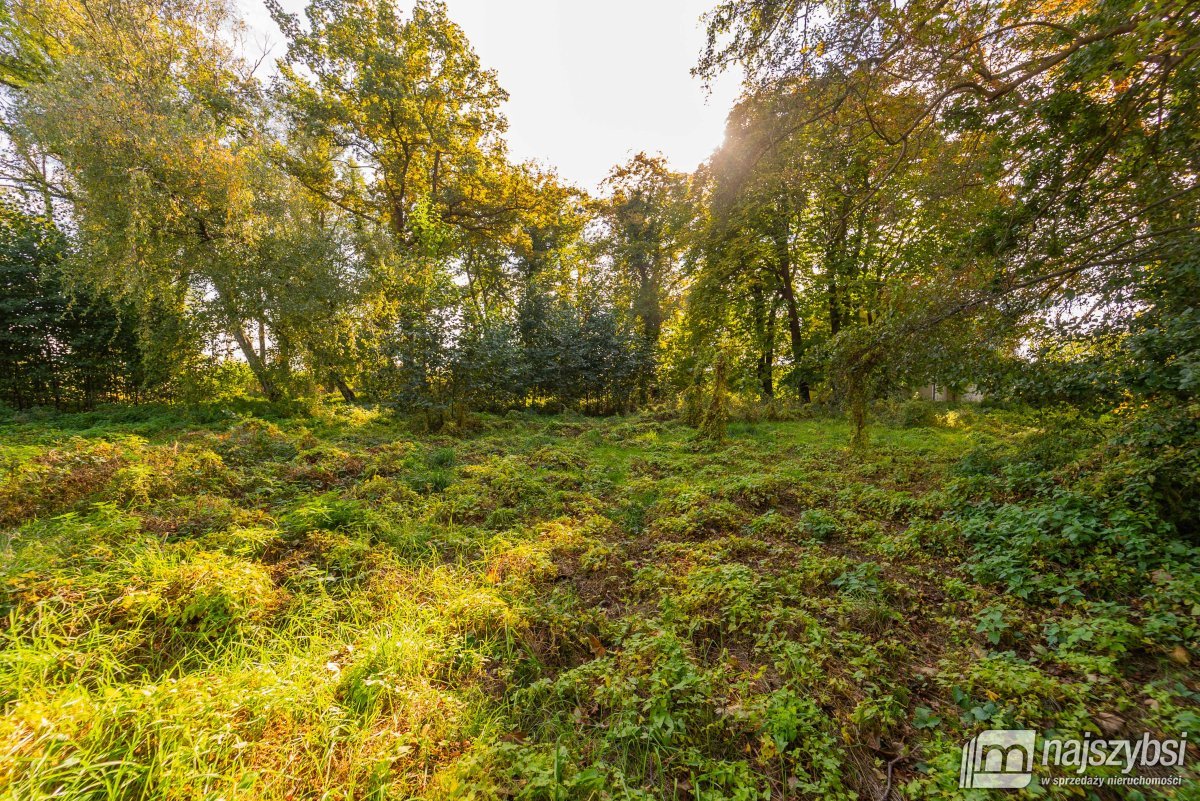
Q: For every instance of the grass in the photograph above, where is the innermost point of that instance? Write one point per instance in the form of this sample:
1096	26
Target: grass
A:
323	604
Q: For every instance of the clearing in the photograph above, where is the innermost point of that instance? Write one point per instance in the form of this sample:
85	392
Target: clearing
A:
326	605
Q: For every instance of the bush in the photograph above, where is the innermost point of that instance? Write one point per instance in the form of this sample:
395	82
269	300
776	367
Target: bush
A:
818	524
1088	516
916	413
253	441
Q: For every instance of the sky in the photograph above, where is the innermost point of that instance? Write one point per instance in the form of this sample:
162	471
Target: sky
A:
590	84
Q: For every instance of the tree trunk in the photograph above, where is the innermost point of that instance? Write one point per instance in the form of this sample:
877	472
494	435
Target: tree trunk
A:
648	311
795	326
835	317
262	340
835	257
256	363
343	387
764	329
769	350
237	330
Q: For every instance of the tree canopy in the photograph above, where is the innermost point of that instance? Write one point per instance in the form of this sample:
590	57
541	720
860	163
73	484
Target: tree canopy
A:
999	196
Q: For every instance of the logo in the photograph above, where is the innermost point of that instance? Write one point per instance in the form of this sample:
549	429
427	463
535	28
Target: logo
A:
1000	759
1003	759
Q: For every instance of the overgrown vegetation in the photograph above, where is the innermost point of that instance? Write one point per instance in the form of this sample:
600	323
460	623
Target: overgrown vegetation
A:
999	196
459	581
325	604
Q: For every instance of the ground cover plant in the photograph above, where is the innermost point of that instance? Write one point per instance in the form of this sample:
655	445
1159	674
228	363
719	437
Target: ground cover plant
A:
349	450
327	603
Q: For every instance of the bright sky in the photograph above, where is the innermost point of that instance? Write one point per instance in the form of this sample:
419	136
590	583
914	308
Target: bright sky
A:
590	84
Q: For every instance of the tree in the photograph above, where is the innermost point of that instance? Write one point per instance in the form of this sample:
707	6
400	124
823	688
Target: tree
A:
57	348
406	107
822	224
646	217
173	193
1089	113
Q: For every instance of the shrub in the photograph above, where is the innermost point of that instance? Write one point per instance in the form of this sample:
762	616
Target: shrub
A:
818	524
253	441
916	413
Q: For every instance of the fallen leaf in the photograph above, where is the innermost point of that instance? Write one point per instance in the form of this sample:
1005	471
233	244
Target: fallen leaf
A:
1110	724
1161	576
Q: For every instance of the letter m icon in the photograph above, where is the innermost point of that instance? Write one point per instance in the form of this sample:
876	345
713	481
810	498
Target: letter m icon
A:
1000	759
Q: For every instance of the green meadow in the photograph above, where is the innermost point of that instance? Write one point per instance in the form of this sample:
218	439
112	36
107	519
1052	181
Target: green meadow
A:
322	603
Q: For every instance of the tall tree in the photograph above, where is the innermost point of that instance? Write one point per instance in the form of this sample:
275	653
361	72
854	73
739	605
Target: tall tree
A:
174	196
1091	116
404	104
820	218
646	218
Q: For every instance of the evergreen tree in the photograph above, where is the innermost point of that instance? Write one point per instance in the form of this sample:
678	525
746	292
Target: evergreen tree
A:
57	348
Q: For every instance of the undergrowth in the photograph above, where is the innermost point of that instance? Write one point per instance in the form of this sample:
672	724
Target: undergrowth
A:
319	603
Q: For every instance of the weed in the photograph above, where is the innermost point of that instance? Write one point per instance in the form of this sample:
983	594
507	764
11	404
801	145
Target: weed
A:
273	603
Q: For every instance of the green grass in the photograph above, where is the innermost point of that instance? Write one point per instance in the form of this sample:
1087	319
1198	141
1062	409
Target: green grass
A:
203	605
